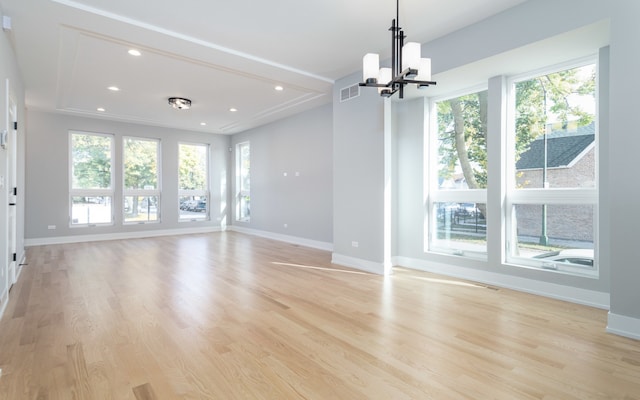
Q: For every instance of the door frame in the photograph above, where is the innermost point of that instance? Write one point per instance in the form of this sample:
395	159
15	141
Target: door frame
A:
12	185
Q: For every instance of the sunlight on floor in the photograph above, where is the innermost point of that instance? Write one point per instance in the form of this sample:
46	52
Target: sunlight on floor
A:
319	268
448	282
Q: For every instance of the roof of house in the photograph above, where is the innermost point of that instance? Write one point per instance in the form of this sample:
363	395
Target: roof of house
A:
562	148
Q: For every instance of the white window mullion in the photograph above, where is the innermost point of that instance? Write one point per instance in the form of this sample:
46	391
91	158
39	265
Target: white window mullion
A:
460	196
555	196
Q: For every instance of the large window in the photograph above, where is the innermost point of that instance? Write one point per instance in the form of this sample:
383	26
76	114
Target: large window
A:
243	182
141	180
552	196
91	191
458	172
193	181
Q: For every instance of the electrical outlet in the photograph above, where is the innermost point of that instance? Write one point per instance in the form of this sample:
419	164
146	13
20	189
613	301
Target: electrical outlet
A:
354	244
51	227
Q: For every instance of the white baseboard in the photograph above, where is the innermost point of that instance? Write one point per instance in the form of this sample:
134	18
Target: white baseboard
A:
357	263
118	236
624	326
4	300
283	238
21	264
547	289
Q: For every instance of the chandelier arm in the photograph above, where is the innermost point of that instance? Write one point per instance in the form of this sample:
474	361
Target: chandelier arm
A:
398	81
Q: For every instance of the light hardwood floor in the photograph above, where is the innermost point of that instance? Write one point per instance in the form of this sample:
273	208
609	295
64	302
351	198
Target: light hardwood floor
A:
230	316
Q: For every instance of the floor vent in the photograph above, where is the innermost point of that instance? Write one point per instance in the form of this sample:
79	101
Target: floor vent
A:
349	92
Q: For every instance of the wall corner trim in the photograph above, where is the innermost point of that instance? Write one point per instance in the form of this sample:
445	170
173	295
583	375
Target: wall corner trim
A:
4	300
358	263
623	326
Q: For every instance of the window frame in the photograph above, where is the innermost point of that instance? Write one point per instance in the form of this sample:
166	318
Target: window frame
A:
126	192
549	196
196	192
240	193
104	192
435	195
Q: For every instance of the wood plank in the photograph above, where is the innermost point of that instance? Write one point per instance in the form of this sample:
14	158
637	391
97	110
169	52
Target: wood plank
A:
81	389
144	392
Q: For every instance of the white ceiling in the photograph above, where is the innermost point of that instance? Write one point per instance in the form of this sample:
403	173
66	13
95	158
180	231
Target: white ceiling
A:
219	54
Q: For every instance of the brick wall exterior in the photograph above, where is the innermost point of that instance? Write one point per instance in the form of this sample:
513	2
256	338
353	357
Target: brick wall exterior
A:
563	222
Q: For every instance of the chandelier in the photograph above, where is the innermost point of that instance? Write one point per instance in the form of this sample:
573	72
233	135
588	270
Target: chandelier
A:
407	65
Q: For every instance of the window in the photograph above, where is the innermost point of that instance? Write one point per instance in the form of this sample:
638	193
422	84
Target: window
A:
91	191
193	185
458	173
141	180
552	196
243	182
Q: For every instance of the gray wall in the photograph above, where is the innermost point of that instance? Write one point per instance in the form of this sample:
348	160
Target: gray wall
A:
47	191
300	144
358	175
357	122
624	143
9	72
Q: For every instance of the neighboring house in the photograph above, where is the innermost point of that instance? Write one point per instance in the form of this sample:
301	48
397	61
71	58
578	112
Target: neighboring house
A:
570	164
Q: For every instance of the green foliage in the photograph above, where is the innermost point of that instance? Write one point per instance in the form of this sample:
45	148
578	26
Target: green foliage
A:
91	165
193	167
245	167
140	163
551	98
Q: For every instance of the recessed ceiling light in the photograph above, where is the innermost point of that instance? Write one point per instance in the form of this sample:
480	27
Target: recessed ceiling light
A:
113	88
100	109
279	88
233	109
203	123
135	52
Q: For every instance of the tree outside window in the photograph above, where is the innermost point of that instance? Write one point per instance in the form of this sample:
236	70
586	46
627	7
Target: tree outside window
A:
141	180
